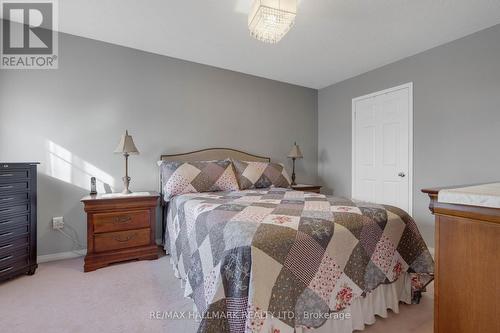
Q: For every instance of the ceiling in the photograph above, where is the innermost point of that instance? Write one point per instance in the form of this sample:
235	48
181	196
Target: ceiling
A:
333	39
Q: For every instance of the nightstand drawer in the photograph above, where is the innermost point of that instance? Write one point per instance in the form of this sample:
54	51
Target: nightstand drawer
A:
121	239
106	222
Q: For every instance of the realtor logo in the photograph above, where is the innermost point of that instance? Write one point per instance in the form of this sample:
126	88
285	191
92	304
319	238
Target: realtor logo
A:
29	37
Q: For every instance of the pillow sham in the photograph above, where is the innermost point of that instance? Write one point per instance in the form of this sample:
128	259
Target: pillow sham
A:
201	176
260	175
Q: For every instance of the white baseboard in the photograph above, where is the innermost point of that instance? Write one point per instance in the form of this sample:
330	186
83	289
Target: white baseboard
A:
80	253
68	255
61	256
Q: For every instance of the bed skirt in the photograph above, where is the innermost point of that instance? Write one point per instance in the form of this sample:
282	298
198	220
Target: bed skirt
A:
362	310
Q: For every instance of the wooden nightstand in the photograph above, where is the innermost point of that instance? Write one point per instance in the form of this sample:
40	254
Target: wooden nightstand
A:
307	188
119	228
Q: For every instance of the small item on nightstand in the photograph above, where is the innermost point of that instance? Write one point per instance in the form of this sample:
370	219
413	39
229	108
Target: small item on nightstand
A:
294	154
93	187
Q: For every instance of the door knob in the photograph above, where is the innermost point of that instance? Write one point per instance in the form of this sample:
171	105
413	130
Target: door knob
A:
401	174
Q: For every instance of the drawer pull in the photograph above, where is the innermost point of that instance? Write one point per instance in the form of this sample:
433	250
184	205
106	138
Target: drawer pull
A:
5	187
126	239
6	234
6	258
7	175
6	199
6	269
6	246
122	219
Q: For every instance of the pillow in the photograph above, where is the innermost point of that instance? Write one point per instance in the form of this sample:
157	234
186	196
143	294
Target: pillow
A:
260	175
192	177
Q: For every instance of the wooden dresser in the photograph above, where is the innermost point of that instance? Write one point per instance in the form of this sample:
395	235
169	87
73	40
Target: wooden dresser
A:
120	228
18	182
467	256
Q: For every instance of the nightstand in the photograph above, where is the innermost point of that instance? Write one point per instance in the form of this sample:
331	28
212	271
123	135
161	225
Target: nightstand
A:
307	188
120	227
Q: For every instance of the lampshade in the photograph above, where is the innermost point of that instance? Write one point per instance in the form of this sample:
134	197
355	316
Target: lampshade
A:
270	20
126	145
295	152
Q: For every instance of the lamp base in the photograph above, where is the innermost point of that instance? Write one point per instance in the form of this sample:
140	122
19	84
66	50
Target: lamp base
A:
293	172
126	182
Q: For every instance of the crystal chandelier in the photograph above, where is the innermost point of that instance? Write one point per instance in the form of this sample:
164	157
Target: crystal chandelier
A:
270	20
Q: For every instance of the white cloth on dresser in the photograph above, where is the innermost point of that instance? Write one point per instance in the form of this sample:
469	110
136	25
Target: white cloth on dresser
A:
485	195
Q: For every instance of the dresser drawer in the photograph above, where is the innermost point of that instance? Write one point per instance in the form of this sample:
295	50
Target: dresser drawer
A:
12	253
121	239
12	198
21	186
13	263
15	245
13	222
14	209
106	222
7	176
8	236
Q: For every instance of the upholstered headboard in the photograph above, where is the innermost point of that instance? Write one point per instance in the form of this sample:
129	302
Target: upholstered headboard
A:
214	154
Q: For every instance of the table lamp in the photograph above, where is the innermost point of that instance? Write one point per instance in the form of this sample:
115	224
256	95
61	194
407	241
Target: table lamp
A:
294	154
126	147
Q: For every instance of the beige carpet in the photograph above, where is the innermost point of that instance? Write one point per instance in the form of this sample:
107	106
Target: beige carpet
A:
120	298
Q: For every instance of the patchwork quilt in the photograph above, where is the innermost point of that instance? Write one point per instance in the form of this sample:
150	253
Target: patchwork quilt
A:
274	259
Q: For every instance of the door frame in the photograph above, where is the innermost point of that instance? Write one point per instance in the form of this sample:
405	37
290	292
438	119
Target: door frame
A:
408	86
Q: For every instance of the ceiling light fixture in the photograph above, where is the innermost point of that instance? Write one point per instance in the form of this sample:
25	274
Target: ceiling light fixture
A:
270	20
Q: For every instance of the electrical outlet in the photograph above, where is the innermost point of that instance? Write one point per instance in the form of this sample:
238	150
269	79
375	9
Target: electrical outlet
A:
58	222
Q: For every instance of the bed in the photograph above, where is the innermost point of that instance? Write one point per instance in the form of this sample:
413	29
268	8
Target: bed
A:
278	260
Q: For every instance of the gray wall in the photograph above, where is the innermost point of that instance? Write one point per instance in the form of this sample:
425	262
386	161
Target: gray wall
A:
71	119
456	118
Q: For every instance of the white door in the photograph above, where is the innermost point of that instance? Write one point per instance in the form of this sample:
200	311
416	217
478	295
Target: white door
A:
383	147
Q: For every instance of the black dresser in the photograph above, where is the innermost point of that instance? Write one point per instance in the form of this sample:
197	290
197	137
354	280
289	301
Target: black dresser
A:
17	219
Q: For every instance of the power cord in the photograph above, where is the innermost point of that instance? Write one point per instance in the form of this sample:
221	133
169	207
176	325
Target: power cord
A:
75	241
